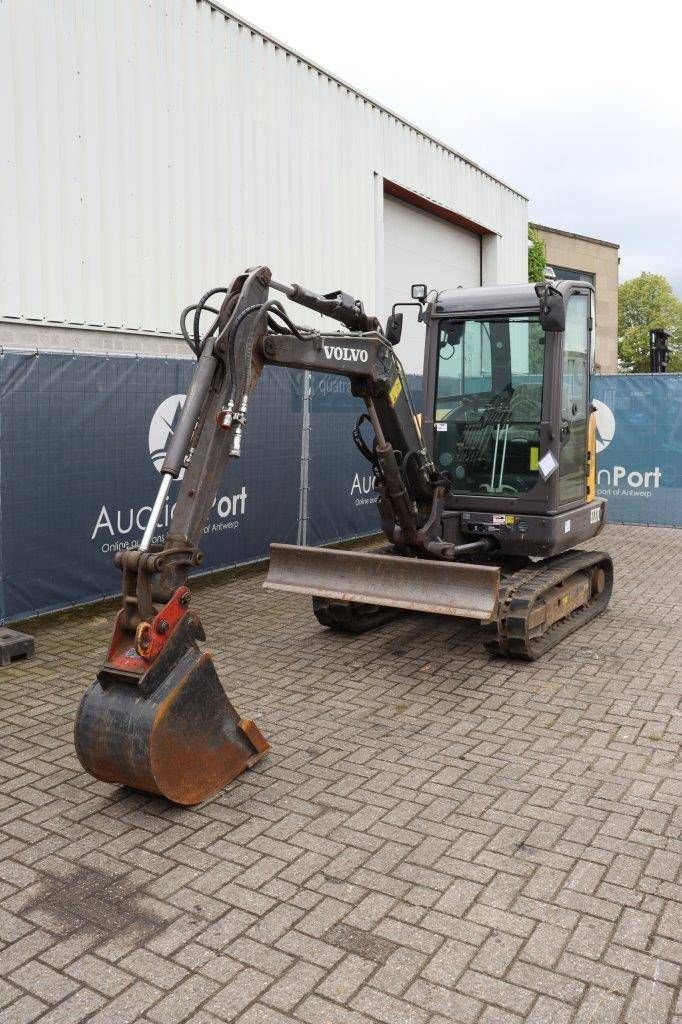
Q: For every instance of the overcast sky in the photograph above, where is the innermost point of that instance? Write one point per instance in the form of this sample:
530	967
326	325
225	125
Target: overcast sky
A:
579	107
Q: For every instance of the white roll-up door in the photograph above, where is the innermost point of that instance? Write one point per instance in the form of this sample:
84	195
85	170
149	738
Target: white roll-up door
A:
420	247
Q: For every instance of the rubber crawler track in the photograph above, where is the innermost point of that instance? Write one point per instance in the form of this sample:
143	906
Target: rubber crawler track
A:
352	617
508	636
519	592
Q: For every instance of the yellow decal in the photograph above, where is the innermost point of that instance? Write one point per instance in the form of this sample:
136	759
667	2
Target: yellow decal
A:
394	393
534	457
509	520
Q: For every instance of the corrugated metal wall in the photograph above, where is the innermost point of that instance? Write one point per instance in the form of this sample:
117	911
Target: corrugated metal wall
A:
152	149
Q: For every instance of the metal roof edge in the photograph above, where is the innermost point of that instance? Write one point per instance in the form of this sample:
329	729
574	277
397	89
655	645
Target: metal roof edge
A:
363	96
572	234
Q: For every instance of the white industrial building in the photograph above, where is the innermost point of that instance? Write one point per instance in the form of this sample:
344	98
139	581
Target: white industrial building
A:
152	150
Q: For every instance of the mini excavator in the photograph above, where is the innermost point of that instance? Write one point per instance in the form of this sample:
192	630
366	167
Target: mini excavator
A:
482	499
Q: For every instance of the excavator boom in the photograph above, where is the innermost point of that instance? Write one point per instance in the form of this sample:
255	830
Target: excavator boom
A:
157	718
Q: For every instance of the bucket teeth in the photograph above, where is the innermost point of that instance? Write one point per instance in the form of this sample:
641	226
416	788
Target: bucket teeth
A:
175	734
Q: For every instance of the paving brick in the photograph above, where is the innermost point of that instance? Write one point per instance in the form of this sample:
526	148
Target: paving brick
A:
8	994
634	929
183	1000
501	920
155	969
590	937
26	948
299	981
458	897
370	910
346	978
436	835
23	1011
594	973
234	997
260	1014
451	1006
324	954
496	954
43	982
99	974
545	945
600	1007
550	983
650	1001
399	970
669	924
403	934
643	964
625	870
257	954
314	1010
493	990
363	943
81	1006
493	1015
387	1008
129	1005
551	1011
272	925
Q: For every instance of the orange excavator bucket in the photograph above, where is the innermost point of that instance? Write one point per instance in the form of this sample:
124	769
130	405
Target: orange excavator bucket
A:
171	731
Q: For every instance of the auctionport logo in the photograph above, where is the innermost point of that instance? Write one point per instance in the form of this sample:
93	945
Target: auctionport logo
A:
118	528
606	425
621	481
162	428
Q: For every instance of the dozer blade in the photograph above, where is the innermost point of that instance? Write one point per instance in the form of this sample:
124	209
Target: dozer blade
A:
174	733
415	584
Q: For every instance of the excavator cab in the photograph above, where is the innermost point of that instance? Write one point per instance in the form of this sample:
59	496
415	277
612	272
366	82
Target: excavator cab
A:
508	408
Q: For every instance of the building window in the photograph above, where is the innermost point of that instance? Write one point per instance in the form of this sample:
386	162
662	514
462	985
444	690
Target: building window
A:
571	274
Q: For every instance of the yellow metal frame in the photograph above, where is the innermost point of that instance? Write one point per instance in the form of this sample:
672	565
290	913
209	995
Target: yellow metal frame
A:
591	464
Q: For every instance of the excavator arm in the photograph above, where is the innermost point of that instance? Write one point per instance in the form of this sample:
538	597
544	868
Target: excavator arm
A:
157	718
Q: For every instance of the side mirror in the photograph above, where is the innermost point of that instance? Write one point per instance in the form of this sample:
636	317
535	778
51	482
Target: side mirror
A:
394	328
552	309
451	333
419	292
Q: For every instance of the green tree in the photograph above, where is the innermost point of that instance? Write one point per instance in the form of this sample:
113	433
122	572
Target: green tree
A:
646	302
536	256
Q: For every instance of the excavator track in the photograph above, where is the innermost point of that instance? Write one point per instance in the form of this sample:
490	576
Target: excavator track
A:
540	605
352	617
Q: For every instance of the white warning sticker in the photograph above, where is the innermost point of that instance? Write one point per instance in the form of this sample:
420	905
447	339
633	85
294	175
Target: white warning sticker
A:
547	465
595	515
567	526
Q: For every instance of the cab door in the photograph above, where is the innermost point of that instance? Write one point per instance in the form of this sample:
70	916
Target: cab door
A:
574	401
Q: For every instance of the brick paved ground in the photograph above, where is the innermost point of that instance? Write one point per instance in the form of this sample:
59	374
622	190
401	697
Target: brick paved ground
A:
436	837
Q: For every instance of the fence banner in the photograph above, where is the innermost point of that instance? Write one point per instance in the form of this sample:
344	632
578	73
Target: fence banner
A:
82	439
639	447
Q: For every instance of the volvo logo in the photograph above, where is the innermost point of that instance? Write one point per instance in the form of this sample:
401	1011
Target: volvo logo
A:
606	425
348	355
162	428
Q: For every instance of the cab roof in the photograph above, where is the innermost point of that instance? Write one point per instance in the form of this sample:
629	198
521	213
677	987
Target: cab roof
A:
497	300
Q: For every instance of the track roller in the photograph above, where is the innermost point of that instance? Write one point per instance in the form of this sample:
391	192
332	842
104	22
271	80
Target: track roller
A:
540	605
